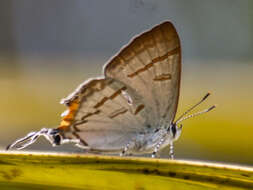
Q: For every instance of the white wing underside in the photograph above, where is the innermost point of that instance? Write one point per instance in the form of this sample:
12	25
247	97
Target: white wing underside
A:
138	92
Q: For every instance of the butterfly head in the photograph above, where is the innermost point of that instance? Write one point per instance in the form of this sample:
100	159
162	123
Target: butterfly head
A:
175	130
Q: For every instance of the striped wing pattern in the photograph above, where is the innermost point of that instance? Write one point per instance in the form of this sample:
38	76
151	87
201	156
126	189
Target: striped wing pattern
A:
139	92
151	64
105	116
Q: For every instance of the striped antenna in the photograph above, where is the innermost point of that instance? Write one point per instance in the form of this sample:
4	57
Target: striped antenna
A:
195	114
194	106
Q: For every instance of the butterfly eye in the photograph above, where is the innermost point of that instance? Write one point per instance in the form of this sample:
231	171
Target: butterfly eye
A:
173	129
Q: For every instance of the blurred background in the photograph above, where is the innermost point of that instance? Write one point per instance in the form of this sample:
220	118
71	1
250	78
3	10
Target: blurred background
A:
47	48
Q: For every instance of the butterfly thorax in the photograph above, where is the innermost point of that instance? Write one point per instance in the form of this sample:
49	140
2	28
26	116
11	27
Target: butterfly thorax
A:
146	142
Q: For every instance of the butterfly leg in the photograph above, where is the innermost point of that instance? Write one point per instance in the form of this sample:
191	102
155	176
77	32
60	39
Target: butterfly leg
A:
171	155
124	151
157	147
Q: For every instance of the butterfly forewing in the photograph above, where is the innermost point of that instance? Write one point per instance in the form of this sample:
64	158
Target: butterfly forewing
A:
151	64
139	92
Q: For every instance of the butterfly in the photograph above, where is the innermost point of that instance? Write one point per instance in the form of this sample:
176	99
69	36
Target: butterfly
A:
132	108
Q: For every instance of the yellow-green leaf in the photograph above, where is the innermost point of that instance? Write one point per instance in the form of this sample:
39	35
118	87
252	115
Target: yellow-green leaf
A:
21	170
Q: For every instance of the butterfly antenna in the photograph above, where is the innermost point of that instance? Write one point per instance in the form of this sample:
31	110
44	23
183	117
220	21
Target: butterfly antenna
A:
195	114
194	106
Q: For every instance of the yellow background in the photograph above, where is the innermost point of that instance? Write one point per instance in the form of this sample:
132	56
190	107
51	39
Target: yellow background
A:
30	100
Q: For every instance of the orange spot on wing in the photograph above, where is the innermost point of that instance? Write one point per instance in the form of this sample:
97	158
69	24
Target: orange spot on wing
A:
74	106
65	123
69	117
67	120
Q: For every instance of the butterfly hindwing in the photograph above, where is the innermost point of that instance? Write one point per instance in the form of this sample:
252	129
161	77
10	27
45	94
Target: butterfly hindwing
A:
108	116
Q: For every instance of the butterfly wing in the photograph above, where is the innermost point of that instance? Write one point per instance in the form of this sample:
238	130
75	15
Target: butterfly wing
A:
151	64
104	114
140	91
